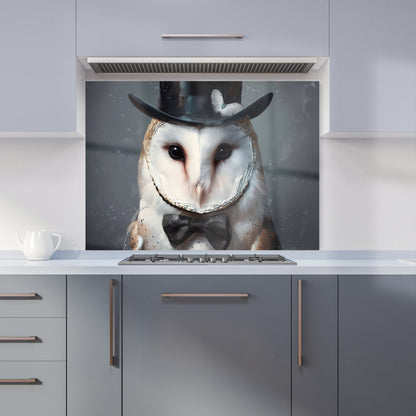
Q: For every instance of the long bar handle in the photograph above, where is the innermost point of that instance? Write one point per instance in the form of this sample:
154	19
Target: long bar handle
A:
204	295
299	322
112	360
19	339
201	36
18	296
20	381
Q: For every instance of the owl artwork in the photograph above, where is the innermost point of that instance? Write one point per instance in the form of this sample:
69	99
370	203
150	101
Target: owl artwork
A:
200	175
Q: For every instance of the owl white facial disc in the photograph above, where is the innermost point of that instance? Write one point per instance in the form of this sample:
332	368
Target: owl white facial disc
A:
200	170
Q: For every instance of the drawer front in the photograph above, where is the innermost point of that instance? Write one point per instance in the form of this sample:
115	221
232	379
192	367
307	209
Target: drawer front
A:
45	397
32	296
32	339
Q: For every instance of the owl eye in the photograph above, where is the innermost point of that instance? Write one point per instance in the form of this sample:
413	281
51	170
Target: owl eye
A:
223	152
176	152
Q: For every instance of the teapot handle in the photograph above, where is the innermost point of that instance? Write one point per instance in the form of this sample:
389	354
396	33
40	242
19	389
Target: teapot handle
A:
59	241
19	239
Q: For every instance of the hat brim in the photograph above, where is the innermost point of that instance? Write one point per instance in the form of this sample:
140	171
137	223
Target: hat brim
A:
252	111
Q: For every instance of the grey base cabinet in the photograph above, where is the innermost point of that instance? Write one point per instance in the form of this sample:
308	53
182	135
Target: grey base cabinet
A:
32	345
93	383
187	356
314	381
377	345
234	345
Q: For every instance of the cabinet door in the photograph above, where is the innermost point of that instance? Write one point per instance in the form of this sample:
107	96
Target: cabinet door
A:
269	27
94	385
37	84
377	344
373	66
206	356
314	383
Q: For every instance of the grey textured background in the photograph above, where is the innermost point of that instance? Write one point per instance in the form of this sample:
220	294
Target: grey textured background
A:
288	133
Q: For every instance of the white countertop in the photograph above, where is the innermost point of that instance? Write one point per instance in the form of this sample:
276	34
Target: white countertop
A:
308	262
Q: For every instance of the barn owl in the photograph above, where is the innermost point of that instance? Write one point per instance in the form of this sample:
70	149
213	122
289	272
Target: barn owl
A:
202	173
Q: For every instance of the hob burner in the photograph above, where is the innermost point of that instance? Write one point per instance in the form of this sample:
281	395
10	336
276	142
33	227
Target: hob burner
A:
146	259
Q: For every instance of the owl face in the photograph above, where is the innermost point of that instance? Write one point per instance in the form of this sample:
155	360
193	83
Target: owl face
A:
200	170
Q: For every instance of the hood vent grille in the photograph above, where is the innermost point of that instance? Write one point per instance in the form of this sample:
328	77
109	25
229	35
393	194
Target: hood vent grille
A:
201	67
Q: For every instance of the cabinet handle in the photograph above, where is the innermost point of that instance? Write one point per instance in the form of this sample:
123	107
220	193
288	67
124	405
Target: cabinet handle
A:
299	322
20	381
19	339
201	36
112	358
204	295
9	296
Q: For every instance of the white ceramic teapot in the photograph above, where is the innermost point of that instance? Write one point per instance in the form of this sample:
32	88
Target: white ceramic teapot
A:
38	245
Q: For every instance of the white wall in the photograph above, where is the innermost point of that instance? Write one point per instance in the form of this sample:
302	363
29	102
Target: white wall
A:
42	187
368	192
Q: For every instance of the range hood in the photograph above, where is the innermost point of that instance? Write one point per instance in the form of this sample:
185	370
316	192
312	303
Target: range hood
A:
203	65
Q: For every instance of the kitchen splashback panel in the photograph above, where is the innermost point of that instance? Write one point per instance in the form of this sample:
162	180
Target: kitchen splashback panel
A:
202	165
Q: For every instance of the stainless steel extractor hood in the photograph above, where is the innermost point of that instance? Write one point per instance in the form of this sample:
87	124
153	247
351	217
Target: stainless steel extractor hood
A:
202	65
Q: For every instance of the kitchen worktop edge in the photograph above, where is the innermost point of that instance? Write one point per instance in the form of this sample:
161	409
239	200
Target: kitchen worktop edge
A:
308	262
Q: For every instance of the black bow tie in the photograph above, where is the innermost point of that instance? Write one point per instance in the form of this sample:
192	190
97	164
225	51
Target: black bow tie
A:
217	229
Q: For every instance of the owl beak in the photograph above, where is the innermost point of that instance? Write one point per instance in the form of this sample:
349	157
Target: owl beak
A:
199	194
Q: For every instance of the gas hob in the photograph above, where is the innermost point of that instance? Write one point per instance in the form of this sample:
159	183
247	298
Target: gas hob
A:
183	259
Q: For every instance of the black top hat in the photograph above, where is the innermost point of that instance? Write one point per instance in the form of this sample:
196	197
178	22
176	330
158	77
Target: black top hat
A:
190	103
